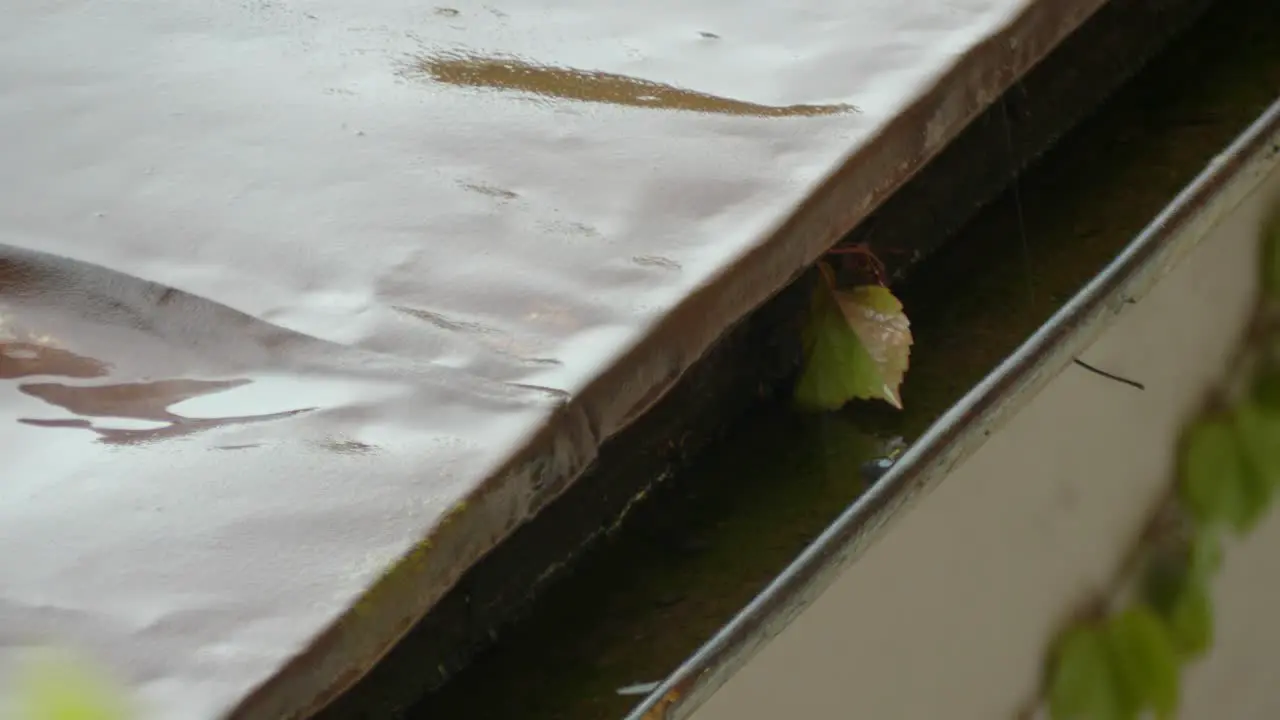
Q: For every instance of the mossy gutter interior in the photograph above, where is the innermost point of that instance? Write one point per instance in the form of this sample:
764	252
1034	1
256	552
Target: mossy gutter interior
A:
701	547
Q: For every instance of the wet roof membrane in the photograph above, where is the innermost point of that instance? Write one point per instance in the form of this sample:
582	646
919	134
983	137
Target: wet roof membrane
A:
306	306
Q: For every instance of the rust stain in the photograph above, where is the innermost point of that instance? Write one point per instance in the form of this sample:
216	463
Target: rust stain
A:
662	709
659	710
511	73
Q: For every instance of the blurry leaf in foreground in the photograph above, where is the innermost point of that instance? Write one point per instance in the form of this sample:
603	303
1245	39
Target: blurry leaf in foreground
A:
1205	556
1213	482
1177	588
857	345
1083	684
1190	619
1266	389
1259	429
1145	659
55	687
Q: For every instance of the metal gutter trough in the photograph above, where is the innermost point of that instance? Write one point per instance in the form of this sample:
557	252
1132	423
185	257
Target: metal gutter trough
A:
306	308
938	592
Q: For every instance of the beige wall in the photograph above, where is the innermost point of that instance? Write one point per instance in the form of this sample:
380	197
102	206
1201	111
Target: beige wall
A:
950	613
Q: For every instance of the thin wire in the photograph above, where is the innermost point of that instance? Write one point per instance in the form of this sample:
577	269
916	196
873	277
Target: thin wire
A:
1017	198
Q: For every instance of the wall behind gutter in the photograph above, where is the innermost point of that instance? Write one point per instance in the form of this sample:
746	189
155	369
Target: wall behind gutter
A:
1218	190
949	615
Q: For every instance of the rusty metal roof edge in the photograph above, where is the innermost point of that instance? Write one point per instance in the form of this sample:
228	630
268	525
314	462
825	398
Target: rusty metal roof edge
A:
1217	190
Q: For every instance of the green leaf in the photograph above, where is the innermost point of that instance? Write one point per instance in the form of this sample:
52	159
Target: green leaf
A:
1205	556
837	368
1178	589
1145	661
1213	485
857	345
1266	389
1163	583
1259	428
55	688
1189	618
876	317
1083	684
1258	432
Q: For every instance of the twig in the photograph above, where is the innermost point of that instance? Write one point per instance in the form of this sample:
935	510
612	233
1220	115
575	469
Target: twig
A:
1110	376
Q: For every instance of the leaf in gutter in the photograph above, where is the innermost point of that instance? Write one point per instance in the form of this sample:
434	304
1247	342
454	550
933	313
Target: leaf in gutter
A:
877	319
857	345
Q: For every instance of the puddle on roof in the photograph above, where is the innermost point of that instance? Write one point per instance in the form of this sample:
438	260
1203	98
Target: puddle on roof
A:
124	406
136	413
21	359
563	83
